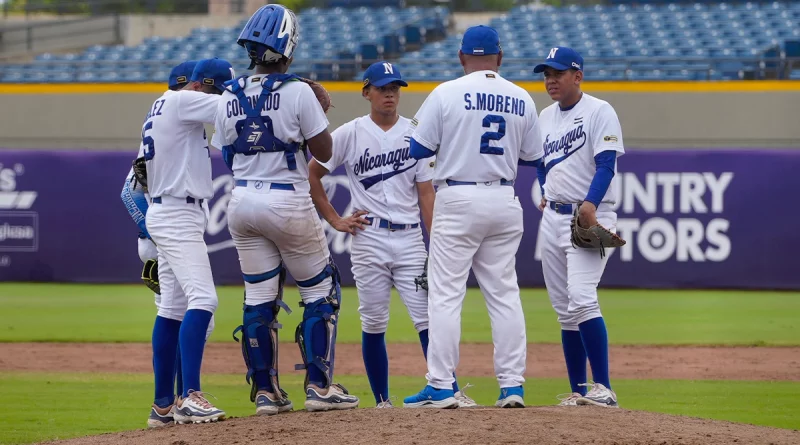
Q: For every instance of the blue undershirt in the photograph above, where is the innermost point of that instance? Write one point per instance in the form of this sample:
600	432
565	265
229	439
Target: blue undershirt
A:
602	177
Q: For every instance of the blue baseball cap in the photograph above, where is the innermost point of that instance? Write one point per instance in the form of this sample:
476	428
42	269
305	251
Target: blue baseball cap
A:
181	73
382	74
213	72
561	58
480	41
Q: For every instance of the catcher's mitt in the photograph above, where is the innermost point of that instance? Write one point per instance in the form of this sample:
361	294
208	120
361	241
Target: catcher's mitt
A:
140	172
422	280
594	237
322	94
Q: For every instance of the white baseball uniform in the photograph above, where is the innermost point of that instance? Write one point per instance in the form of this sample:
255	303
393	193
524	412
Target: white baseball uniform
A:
179	182
572	138
138	210
482	125
270	215
391	250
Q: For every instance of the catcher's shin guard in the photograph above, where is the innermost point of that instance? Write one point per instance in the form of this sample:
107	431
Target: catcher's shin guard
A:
325	310
260	340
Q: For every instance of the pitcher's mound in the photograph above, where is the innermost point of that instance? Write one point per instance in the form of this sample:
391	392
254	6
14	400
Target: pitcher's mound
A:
541	425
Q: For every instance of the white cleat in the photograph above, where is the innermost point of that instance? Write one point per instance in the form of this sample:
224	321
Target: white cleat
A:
465	401
196	409
598	395
569	399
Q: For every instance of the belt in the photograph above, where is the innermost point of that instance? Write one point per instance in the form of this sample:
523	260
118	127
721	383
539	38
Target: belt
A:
189	200
260	184
383	224
451	182
563	209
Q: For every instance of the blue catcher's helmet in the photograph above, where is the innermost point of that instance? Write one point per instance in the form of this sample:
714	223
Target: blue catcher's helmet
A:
270	34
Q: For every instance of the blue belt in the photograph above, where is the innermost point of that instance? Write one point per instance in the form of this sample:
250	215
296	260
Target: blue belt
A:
383	224
189	200
563	209
450	182
272	185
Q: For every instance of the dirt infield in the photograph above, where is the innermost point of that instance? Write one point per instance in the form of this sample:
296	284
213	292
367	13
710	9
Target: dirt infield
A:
546	425
627	362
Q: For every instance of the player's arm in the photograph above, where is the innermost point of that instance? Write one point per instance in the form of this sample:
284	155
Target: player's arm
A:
349	224
197	107
220	139
606	133
317	169
314	124
427	195
427	124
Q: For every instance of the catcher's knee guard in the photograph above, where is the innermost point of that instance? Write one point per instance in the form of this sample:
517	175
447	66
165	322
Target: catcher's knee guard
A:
325	310
260	340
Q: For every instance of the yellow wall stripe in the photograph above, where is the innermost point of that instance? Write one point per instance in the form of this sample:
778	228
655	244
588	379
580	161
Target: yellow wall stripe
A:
426	87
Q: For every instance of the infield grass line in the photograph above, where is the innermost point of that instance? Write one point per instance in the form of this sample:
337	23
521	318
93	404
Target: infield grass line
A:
125	313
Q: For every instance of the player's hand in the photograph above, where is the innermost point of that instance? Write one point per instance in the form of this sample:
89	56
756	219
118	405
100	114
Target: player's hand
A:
587	214
351	223
542	204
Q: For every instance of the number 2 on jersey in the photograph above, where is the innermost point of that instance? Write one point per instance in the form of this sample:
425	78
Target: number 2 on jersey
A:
493	135
148	142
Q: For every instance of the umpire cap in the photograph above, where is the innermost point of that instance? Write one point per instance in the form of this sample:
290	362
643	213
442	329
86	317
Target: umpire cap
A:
213	72
181	73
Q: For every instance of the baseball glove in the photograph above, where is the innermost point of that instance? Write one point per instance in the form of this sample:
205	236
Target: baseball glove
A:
150	276
140	172
594	237
322	94
422	280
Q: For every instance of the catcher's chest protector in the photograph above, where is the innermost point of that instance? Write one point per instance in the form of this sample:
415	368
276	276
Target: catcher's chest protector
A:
255	132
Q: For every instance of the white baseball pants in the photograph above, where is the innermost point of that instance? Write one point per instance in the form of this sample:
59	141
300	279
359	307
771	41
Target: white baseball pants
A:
381	258
476	226
572	274
269	225
184	270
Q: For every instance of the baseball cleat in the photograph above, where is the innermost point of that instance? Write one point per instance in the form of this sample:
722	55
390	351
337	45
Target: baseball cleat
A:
465	401
161	417
569	399
511	398
385	403
598	395
196	409
267	404
336	397
431	397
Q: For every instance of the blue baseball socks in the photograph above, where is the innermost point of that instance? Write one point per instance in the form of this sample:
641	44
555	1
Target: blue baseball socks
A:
192	343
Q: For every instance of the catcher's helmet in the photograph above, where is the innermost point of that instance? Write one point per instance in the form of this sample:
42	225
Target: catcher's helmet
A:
270	34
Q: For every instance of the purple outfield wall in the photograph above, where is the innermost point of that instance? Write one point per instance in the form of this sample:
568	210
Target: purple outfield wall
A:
692	219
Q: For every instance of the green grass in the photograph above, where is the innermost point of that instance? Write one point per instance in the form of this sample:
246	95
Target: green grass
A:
99	403
124	313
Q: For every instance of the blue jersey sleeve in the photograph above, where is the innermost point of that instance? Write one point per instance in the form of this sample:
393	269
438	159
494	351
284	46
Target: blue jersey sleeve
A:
136	203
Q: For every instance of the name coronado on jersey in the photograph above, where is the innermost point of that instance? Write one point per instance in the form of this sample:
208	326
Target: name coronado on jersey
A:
566	142
272	102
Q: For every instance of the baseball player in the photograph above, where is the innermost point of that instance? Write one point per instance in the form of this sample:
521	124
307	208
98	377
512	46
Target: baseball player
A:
389	188
479	126
582	139
178	169
261	125
165	330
